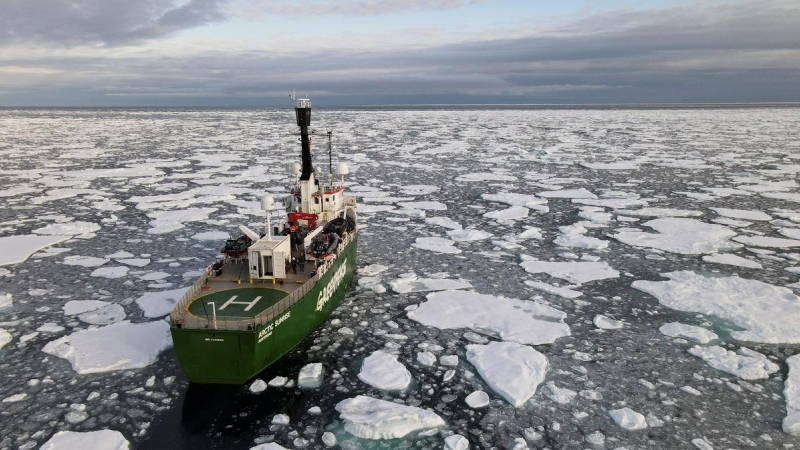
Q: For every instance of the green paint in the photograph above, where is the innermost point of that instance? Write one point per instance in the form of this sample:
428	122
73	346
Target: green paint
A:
233	357
269	297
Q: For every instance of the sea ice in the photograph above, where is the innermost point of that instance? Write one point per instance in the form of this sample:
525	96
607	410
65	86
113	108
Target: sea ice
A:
511	213
426	358
269	446
742	214
16	249
732	260
5	338
764	241
371	418
85	261
660	212
607	323
465	235
169	221
573	271
793	233
413	284
89	440
75	307
110	272
456	442
515	320
477	399
310	376
568	193
433	206
683	236
791	424
512	370
444	222
257	386
103	316
559	395
486	176
123	345
213	236
436	244
691	332
68	228
383	371
555	290
158	304
573	236
513	199
135	262
628	419
744	367
372	270
767	313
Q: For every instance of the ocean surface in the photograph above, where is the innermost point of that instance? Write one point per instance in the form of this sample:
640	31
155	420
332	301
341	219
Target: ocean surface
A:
603	278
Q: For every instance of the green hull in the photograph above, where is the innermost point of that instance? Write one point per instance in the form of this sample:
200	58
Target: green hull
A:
234	357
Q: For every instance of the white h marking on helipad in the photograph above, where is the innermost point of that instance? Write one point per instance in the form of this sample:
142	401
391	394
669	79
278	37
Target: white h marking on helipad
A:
231	301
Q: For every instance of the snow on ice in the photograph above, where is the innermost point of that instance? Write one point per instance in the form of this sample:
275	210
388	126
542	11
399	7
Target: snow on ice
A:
371	418
158	304
767	313
17	249
123	345
413	284
744	367
791	424
521	321
628	419
573	271
383	371
511	370
679	235
732	260
691	332
89	440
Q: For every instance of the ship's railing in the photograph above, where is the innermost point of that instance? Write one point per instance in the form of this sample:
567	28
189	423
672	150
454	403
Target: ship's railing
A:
178	317
349	201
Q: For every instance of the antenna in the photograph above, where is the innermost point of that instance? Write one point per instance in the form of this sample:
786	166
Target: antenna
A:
330	154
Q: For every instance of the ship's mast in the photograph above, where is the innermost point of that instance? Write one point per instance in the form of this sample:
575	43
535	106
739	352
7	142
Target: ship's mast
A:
302	108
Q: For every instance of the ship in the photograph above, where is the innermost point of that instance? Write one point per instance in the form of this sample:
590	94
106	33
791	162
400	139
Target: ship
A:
271	290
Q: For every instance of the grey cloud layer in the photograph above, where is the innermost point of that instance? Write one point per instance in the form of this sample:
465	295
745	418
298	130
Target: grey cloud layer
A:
100	22
746	53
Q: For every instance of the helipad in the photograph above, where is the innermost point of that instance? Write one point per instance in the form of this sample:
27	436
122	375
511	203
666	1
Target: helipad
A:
238	302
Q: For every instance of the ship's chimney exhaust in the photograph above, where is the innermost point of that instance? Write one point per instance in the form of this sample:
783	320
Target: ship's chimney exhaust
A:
302	108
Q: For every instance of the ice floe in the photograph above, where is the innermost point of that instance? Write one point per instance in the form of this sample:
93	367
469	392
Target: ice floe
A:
511	370
169	221
477	400
731	260
514	199
214	236
87	440
744	367
110	272
568	193
574	236
572	271
456	442
413	284
16	249
85	261
68	228
791	391
75	307
371	418
383	371
683	236
310	376
511	213
742	214
764	241
158	304
467	235
555	290
767	313
436	244
607	323
660	212
521	321
691	332
123	345
444	222
5	338
628	419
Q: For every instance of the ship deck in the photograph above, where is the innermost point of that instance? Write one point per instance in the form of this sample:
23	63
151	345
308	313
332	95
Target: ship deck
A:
233	295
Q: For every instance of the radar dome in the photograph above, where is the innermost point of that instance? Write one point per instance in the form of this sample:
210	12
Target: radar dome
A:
295	169
267	203
342	169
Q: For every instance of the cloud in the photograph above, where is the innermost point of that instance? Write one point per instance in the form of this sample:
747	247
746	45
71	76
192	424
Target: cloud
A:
298	8
100	22
742	52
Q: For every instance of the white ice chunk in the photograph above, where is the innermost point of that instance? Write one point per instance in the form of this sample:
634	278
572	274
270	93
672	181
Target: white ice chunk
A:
383	371
269	446
732	260
168	221
512	370
559	395
110	272
135	262
5	338
257	386
607	323
691	332
767	313
742	214
430	205
744	367
572	271
426	358
456	442
213	236
465	235
413	284
75	307
371	418
158	304
103	316
555	290
372	270
444	222
628	419
568	193
85	261
764	241
573	236
310	376
16	249
485	176
123	345
791	424
660	212
436	244
513	199
684	236
477	399
515	320
793	233
68	228
511	213
89	440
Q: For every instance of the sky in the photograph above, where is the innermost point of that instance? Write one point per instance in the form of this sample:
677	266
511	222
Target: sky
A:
254	53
